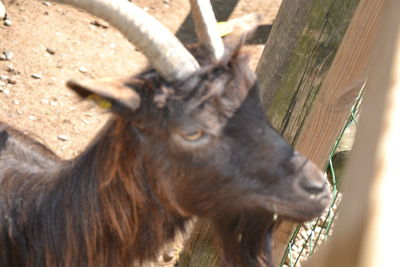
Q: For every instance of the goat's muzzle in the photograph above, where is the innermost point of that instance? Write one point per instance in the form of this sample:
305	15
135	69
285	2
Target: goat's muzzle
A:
300	196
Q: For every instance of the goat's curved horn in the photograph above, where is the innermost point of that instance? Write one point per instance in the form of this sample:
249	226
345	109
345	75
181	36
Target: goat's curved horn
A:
164	51
206	27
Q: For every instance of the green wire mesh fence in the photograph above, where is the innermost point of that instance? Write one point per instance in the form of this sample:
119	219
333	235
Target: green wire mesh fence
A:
307	237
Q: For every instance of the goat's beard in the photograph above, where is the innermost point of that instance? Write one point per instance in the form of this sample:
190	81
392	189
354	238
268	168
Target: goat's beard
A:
246	240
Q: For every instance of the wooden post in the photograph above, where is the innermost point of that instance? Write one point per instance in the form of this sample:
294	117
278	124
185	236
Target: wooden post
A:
199	250
308	104
297	56
366	232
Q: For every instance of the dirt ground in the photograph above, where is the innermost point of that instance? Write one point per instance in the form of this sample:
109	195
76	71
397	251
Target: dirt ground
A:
47	44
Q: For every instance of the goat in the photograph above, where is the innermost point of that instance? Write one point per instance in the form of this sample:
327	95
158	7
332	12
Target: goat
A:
187	138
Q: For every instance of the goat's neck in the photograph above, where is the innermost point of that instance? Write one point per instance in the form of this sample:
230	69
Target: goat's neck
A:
131	212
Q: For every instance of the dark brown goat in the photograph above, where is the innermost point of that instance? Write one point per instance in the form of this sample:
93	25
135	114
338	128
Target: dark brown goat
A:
199	146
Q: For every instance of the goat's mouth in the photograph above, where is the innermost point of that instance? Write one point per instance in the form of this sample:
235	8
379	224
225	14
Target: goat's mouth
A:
299	210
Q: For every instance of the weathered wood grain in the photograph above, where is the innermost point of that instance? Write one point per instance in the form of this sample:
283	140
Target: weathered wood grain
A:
199	251
366	233
297	56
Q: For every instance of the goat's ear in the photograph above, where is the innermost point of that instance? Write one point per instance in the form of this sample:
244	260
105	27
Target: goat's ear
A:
107	93
241	30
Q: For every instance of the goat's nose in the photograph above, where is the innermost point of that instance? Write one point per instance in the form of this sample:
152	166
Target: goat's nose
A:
311	179
313	186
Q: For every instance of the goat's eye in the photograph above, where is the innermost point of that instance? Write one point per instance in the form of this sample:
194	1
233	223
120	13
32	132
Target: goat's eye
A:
193	136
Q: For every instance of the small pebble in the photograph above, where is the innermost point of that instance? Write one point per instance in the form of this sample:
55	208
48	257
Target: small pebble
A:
304	235
50	51
44	101
2	84
2	11
168	256
36	76
62	137
300	243
83	69
3	77
7	55
5	91
11	81
7	22
53	103
11	70
32	118
99	24
16	102
46	3
166	2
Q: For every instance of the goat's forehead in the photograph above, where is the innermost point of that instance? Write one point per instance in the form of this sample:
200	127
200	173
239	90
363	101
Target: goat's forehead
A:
209	98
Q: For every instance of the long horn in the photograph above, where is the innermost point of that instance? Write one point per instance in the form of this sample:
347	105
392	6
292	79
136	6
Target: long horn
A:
164	51
206	27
